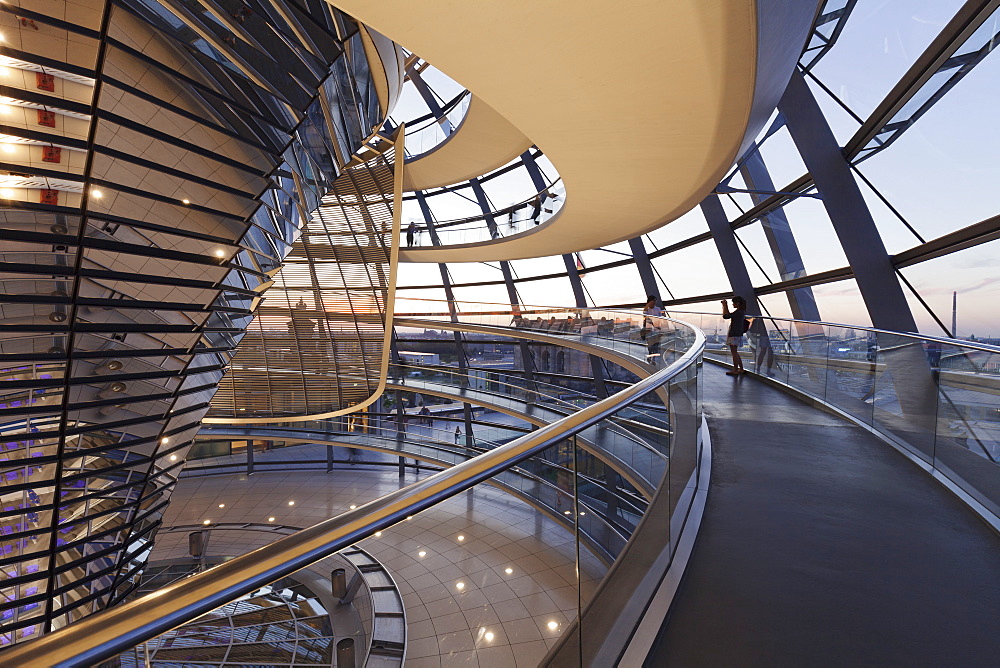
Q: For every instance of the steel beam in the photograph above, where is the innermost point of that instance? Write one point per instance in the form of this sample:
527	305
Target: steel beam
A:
852	221
484	205
645	268
729	250
596	365
779	237
739	278
445	279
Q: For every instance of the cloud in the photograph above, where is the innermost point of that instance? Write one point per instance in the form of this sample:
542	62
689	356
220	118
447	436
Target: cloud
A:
979	285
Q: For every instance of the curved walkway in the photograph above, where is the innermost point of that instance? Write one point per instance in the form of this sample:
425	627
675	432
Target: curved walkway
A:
821	545
626	353
641	107
632	457
482	142
605	540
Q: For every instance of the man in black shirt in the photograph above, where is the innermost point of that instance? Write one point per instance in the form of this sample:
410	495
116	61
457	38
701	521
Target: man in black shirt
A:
737	327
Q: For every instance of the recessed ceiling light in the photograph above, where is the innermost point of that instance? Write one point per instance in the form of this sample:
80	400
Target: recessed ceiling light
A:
553	625
96	194
220	253
270	519
207	522
291	503
173	458
508	571
164	440
353	506
459	585
489	636
461	538
186	201
222	505
378	533
421	554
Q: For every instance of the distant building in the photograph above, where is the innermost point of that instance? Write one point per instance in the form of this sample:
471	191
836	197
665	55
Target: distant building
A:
412	357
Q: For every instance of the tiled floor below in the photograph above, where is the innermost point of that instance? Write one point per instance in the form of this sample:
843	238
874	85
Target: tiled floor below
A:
486	580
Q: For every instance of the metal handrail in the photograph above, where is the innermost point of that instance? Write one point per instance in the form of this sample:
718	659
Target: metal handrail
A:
975	345
524	308
412	126
112	631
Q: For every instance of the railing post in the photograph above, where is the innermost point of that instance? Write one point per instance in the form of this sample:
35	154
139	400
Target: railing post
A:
345	653
329	459
249	457
338	583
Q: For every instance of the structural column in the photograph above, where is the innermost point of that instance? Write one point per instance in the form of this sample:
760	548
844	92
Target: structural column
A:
527	361
596	363
779	236
852	221
645	268
904	359
445	282
729	250
425	92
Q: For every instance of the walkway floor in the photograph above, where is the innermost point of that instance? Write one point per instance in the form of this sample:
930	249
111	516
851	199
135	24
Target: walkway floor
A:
822	546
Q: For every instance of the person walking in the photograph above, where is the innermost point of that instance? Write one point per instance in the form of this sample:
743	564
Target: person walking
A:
411	231
458	435
737	327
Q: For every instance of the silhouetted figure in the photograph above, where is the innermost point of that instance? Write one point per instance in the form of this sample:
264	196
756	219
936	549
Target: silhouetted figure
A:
650	331
458	435
737	327
411	232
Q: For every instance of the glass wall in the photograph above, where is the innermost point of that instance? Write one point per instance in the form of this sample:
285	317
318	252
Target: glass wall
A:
157	165
907	89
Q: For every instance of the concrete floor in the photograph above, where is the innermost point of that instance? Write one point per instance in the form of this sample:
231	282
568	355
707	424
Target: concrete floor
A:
822	546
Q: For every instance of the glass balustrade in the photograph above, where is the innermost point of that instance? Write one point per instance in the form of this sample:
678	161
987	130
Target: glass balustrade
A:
576	512
430	133
504	222
933	397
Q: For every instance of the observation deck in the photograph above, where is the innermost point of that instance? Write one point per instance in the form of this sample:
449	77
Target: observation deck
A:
823	541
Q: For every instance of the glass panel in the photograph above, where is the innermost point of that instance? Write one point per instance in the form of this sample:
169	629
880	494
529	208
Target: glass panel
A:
904	400
967	447
853	372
